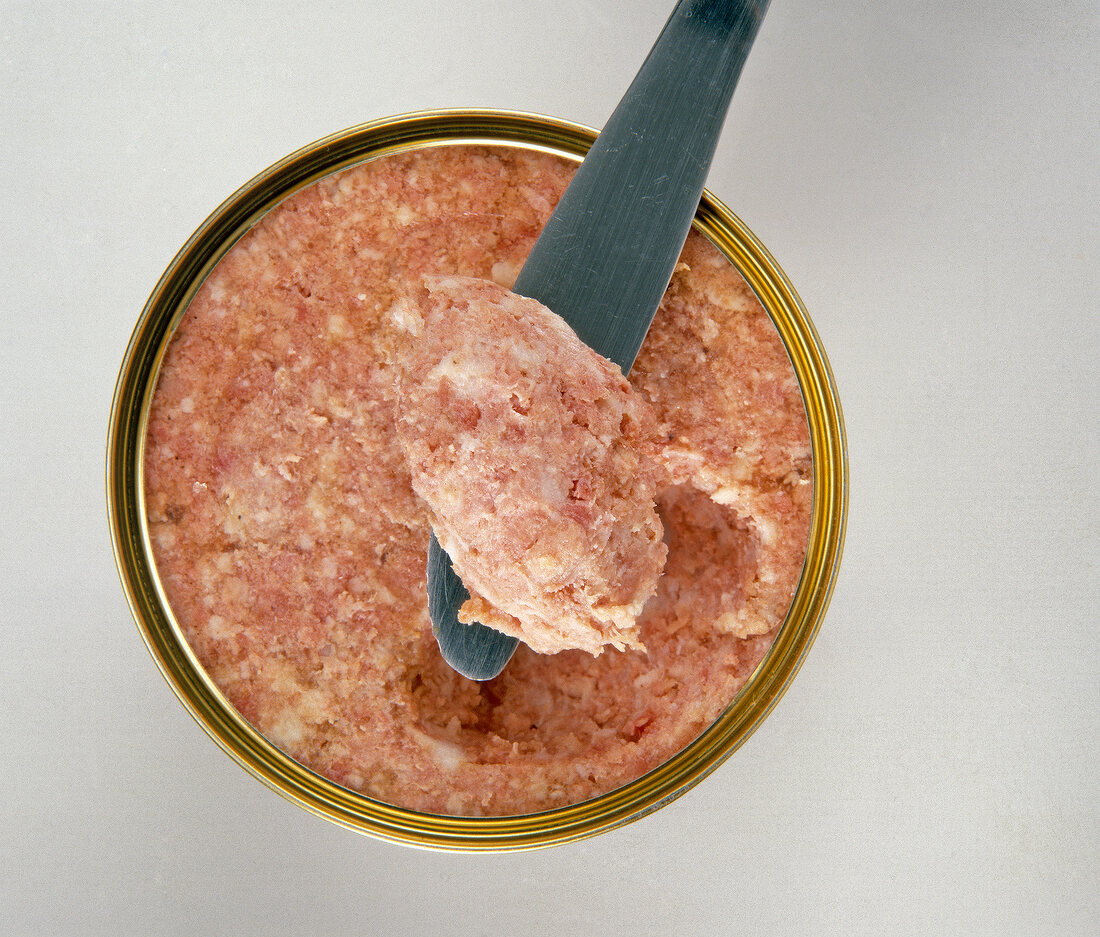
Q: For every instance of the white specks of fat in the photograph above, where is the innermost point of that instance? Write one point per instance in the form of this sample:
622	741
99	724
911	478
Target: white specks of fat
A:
741	627
304	708
451	498
407	318
404	215
727	495
287	730
447	755
536	200
221	628
345	189
302	364
317	504
768	530
528	357
505	273
326	399
469	374
371	588
468	446
338	329
727	623
231	523
552	487
544	566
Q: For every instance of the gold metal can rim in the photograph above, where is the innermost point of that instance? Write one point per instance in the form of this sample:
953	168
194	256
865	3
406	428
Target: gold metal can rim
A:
206	703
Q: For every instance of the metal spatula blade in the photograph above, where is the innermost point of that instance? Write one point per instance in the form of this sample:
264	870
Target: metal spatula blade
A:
606	255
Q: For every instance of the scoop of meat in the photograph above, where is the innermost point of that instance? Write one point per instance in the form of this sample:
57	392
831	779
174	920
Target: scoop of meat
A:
538	462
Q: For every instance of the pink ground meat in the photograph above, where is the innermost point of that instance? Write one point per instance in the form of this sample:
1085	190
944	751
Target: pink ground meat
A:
291	544
538	461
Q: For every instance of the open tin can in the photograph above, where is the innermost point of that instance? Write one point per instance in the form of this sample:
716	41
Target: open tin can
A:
199	694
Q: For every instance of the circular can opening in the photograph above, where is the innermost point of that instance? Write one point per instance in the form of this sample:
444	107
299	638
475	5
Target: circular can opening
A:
202	698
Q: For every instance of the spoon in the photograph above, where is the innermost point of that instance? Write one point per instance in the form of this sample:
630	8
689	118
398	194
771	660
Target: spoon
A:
607	253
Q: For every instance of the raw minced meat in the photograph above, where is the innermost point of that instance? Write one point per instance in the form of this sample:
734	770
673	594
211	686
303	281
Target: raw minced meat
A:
291	545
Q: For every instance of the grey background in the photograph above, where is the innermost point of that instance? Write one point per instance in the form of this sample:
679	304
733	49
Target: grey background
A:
926	174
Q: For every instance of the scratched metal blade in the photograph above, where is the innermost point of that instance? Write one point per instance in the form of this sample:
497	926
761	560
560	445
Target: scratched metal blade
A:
606	255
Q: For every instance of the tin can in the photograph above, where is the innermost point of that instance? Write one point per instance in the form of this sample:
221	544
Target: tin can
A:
202	698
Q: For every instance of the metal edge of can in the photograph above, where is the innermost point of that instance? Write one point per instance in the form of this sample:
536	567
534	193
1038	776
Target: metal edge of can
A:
199	695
